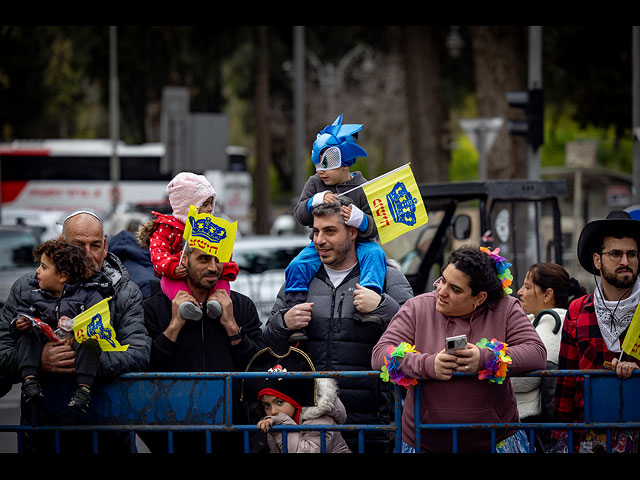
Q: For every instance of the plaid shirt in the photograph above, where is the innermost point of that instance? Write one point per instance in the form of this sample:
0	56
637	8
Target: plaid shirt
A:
582	347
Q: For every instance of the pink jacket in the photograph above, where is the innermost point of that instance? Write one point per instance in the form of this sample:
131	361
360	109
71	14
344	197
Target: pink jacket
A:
462	399
329	411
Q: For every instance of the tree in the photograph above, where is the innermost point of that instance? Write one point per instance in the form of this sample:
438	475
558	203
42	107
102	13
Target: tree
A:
263	137
500	57
588	73
427	116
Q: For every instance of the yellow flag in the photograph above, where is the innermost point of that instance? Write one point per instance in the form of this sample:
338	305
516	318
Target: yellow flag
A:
396	203
214	236
95	322
631	344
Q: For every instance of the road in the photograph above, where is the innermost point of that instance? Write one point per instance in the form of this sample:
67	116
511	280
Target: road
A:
10	415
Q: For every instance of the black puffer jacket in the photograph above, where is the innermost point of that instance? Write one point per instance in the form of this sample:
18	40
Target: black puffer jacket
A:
339	340
127	319
75	299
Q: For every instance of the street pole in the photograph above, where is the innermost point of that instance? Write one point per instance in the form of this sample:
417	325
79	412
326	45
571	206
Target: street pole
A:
535	81
635	131
299	108
114	121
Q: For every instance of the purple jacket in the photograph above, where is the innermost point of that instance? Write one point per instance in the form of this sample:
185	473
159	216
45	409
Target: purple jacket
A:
462	399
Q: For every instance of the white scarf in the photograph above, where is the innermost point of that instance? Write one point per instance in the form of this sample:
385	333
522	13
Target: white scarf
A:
622	312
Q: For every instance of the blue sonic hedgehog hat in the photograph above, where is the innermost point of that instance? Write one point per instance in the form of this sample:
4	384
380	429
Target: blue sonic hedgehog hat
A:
335	146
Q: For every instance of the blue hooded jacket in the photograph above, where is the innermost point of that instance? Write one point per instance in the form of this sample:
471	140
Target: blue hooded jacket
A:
136	260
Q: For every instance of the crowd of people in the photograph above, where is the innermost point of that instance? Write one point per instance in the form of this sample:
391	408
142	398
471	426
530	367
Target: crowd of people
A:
343	307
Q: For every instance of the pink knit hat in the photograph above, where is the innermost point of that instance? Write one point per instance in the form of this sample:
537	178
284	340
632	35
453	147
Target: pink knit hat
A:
187	189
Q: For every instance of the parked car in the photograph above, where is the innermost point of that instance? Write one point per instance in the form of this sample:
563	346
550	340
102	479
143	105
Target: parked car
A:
46	222
16	255
262	260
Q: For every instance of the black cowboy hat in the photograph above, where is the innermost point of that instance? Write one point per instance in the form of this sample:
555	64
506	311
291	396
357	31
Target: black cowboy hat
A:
617	224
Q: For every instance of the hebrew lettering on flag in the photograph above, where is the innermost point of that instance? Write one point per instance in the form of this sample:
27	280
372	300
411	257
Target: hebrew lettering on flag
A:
631	344
214	236
95	322
396	203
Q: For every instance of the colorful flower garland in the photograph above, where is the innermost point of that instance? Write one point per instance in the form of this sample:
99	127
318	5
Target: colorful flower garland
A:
496	370
504	274
391	368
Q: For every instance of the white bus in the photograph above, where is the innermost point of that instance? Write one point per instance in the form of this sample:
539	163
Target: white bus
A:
65	174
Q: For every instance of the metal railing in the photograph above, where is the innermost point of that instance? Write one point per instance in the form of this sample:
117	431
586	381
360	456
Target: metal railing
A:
610	404
203	402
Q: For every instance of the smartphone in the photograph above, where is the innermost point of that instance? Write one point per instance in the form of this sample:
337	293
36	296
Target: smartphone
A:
451	344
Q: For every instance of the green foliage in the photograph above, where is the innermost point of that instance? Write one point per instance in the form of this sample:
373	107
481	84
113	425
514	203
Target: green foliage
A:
561	128
464	160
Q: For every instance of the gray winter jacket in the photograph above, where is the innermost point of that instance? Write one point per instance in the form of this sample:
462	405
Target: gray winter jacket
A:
340	340
328	411
126	317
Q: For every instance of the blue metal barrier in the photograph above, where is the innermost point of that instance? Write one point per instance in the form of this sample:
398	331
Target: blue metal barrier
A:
202	402
608	405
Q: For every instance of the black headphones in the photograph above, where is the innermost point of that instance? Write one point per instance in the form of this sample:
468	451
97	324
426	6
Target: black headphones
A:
554	314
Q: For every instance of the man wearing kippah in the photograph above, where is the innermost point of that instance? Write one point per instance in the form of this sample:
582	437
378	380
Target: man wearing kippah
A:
82	228
595	325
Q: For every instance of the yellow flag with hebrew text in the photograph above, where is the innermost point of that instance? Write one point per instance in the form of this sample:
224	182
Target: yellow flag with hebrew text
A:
214	236
631	344
95	322
396	203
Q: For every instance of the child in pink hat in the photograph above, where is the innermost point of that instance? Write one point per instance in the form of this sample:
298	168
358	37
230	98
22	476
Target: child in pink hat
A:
164	235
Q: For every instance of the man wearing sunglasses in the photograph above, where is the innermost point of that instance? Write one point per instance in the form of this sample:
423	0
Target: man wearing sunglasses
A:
596	324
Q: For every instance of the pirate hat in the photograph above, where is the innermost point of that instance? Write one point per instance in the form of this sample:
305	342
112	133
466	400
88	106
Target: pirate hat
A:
617	224
302	390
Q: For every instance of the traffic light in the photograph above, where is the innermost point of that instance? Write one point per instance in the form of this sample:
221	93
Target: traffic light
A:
532	103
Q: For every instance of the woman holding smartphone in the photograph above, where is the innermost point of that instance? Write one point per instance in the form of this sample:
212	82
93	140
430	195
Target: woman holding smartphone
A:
472	299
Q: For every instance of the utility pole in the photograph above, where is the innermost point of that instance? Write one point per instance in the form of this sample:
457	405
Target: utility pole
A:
114	117
635	130
299	109
535	84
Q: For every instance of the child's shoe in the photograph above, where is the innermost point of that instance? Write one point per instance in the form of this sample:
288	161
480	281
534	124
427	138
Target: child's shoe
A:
31	390
190	311
81	399
294	298
214	310
298	336
368	318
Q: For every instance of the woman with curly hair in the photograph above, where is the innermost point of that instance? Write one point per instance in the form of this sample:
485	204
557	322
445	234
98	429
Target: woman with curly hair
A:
64	286
471	302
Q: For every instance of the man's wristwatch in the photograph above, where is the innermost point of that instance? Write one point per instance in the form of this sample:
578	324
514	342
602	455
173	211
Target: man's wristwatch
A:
237	336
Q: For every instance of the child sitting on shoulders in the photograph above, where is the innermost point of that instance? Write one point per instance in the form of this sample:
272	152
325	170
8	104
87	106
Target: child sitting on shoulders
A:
164	238
334	152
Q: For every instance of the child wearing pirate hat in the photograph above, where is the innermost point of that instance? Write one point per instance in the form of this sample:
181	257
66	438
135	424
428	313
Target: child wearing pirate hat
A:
334	152
295	401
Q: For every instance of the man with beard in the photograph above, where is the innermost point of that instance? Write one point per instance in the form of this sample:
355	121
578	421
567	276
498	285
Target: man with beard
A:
595	325
343	321
225	343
